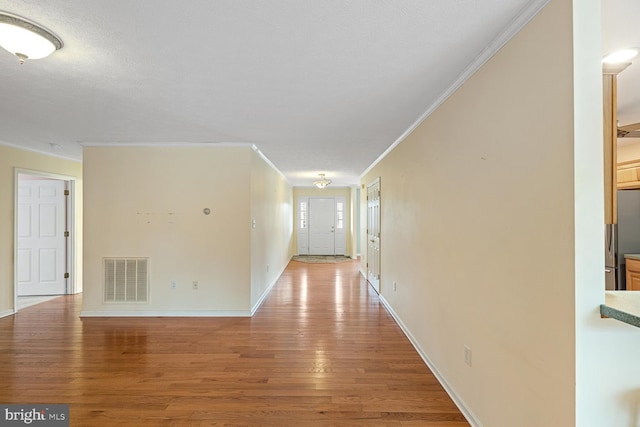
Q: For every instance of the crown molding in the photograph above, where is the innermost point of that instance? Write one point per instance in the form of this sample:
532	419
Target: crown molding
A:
269	162
166	144
522	19
43	152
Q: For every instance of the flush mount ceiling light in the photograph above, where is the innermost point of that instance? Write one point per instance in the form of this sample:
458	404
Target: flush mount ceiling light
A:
322	182
26	39
622	55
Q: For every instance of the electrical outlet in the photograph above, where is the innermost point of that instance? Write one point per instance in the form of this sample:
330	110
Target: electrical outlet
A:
174	284
195	285
394	286
467	355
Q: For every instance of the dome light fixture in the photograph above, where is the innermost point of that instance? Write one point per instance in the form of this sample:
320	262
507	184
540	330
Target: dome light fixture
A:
26	39
620	56
322	182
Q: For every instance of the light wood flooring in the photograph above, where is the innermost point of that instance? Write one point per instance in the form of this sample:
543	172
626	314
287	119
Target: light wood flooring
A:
321	351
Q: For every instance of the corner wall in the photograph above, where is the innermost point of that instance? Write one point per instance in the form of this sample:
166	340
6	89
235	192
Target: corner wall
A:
607	369
478	232
272	237
149	202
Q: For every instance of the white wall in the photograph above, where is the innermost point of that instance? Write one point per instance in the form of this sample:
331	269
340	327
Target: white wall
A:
148	202
607	370
10	159
272	237
478	231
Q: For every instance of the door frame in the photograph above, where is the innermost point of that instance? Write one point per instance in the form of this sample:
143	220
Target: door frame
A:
347	218
70	184
378	261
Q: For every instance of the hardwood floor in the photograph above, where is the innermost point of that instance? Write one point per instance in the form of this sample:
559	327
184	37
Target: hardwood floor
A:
321	351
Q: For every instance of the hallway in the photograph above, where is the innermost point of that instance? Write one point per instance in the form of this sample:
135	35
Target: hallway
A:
320	351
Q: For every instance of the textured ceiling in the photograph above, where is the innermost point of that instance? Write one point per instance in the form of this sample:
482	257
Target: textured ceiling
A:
317	86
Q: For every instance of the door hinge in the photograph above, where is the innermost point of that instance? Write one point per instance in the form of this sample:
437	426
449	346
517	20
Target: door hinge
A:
66	275
378	277
66	234
66	192
367	264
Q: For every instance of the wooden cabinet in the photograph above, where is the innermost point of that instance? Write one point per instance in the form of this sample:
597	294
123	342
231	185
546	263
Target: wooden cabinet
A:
610	138
628	175
633	274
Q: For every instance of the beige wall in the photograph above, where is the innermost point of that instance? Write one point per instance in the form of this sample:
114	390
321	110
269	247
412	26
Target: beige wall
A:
272	237
477	231
10	159
628	150
148	202
324	192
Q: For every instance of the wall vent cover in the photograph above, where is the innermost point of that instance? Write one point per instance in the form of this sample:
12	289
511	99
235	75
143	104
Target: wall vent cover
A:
126	280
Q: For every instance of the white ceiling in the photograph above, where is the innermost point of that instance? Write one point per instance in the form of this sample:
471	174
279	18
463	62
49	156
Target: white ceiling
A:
317	86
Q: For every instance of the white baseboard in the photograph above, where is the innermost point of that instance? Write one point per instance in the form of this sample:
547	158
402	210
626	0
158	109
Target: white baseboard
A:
137	313
266	292
6	313
471	418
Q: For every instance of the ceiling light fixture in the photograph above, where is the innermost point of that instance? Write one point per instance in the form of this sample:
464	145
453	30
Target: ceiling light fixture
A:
622	55
26	39
322	182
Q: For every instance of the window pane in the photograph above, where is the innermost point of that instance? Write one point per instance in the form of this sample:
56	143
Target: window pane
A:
303	214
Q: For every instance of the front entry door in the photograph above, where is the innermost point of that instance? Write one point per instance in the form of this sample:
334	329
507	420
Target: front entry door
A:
373	234
322	226
41	248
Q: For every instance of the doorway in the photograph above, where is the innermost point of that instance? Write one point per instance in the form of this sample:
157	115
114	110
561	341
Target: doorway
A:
42	242
373	234
322	226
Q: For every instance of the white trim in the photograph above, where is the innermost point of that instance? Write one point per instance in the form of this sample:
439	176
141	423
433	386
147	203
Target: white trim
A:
266	159
188	144
44	153
6	313
166	144
44	174
203	313
267	291
69	204
512	29
72	285
470	416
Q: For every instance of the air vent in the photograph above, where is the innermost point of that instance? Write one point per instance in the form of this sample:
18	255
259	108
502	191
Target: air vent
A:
126	280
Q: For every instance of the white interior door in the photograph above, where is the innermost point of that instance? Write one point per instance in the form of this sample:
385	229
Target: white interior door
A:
373	234
322	226
41	255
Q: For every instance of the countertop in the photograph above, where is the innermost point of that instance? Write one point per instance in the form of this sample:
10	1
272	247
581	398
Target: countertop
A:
623	306
632	256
